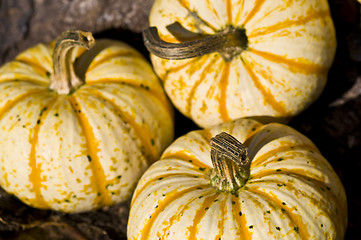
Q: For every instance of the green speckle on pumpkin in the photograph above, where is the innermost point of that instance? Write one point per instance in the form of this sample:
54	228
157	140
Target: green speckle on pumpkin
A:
278	228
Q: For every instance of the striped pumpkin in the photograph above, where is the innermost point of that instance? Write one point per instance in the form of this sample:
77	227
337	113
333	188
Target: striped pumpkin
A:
74	143
285	189
277	68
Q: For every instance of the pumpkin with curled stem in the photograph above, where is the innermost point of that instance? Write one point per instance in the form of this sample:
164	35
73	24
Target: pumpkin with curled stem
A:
78	128
227	59
239	180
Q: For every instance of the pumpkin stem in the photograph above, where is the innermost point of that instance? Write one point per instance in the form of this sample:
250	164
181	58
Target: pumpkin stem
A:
229	43
64	80
230	161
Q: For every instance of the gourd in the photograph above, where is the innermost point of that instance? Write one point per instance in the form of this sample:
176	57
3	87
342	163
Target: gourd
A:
78	128
239	180
223	60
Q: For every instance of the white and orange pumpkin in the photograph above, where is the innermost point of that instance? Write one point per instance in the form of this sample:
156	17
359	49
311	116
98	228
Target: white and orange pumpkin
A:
208	185
78	128
221	60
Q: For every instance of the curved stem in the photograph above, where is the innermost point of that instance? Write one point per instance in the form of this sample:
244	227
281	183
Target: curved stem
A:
230	161
64	80
229	42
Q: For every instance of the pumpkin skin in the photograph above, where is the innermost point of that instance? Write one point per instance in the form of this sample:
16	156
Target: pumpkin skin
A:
291	46
87	149
292	191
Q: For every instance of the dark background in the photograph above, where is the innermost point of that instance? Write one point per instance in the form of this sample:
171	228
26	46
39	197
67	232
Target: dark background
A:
333	122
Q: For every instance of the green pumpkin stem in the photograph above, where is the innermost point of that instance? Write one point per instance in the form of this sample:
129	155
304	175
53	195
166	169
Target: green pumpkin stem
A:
64	79
229	43
231	164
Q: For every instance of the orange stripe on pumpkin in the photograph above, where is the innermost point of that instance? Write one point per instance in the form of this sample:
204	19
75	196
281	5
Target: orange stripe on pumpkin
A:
284	148
120	53
229	11
206	70
269	98
200	213
300	21
186	5
221	221
223	84
162	205
242	230
296	65
184	156
256	8
176	217
151	181
240	6
142	132
35	174
11	103
289	212
122	81
98	178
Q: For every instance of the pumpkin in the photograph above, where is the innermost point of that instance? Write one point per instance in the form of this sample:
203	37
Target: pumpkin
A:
222	60
239	180
78	128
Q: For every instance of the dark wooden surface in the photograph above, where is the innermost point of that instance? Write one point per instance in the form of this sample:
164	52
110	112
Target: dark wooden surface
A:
333	122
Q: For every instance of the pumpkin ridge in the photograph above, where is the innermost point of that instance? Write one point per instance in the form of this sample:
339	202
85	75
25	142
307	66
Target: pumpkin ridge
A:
162	204
267	75
242	230
269	98
299	172
156	179
284	148
127	53
27	80
98	178
256	8
295	65
181	155
142	132
196	85
301	20
179	214
11	103
294	218
270	206
39	69
240	3
220	225
179	67
200	213
35	174
195	15
297	192
155	93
